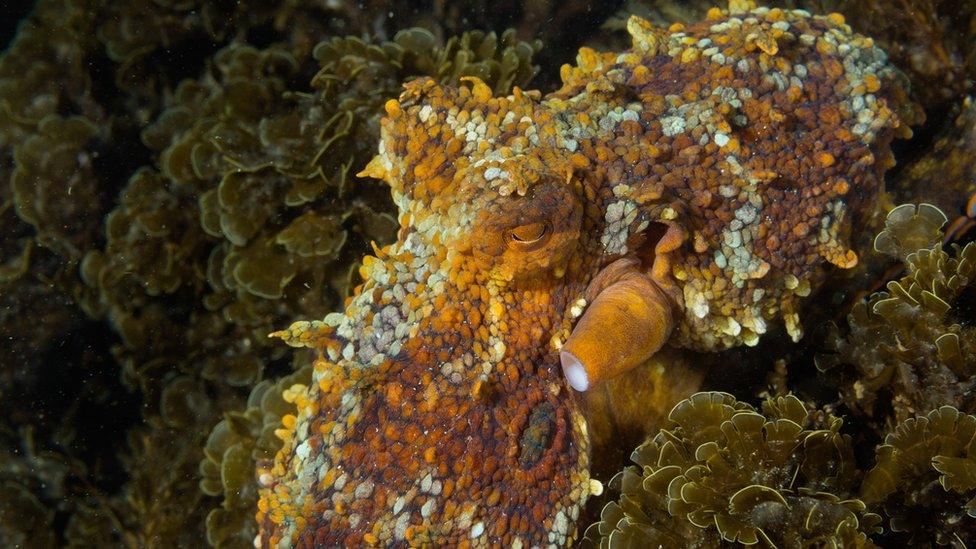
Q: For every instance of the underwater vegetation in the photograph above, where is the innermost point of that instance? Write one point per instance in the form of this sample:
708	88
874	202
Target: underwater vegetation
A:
924	481
177	182
908	349
723	472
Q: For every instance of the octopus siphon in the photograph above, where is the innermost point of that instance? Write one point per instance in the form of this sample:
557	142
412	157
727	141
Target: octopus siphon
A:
689	192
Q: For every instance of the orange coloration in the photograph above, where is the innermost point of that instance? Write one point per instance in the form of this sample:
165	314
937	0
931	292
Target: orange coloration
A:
826	159
871	83
672	194
625	325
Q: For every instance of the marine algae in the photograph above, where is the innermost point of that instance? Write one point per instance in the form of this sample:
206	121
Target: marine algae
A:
722	473
910	348
925	479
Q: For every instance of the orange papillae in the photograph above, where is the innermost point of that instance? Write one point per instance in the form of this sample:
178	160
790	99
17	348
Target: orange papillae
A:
624	326
698	184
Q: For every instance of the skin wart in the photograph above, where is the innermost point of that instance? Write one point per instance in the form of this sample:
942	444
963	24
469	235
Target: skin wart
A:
701	182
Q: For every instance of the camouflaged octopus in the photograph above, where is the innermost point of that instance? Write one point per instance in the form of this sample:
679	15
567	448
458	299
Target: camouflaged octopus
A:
689	191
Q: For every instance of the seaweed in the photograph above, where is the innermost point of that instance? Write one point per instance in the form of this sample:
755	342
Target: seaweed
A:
909	349
925	479
909	228
723	473
239	441
27	478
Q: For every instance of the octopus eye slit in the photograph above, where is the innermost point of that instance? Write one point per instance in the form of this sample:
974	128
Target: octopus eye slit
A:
530	233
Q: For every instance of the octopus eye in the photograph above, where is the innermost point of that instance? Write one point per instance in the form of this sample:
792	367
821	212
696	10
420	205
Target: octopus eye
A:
532	233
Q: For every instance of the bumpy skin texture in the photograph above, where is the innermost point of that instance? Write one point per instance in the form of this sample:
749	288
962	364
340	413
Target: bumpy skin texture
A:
727	159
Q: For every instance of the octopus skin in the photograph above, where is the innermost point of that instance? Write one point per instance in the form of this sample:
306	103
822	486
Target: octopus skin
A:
689	192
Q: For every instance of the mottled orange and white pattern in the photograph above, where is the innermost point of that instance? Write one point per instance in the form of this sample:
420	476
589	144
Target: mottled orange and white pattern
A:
728	160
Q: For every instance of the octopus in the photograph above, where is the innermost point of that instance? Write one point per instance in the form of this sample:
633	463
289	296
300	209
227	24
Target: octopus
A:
687	192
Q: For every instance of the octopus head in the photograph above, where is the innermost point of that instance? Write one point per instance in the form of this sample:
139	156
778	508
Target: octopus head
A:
522	230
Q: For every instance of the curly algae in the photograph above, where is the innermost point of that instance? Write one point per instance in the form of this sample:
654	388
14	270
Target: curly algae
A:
909	350
723	473
925	479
